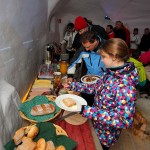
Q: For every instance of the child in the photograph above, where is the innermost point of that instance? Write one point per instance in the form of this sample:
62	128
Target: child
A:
115	93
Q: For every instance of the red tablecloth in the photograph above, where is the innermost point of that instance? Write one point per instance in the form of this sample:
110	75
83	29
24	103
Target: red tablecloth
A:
80	133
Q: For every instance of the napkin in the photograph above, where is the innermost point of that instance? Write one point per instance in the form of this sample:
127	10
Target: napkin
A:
48	131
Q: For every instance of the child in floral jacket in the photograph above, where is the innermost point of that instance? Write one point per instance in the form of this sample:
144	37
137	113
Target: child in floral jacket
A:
115	93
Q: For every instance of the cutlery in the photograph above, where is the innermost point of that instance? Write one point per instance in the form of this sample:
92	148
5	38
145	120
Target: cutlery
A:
66	116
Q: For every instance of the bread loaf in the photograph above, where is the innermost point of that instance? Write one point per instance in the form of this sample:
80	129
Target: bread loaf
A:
42	109
18	136
69	102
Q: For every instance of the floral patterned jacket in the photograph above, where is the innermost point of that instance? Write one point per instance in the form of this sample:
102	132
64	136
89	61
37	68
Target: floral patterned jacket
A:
114	102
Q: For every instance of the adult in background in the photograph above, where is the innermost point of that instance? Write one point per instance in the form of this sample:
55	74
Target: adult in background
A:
81	26
93	64
68	39
145	41
135	40
122	32
119	31
110	32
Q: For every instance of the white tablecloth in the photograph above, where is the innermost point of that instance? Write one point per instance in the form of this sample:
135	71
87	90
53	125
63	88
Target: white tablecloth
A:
10	119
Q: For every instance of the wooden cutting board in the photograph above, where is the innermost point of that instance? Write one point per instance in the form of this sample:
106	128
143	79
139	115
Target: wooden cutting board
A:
76	119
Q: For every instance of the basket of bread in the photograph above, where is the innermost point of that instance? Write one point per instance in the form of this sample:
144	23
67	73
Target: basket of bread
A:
41	136
39	109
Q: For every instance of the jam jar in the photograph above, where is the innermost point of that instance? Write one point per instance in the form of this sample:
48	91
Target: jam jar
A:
64	63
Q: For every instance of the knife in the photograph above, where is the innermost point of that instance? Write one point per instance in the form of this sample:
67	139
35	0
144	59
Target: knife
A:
66	116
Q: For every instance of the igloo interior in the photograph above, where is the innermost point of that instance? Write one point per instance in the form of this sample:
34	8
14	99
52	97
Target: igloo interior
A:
27	26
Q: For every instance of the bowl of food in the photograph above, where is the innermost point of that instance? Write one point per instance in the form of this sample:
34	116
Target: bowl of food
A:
90	79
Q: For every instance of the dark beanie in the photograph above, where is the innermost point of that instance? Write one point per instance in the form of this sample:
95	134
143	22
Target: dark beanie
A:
80	23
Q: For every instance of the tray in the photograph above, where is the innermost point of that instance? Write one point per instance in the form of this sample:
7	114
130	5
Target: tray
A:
25	108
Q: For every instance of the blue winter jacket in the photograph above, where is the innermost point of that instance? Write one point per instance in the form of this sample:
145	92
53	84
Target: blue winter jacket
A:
92	61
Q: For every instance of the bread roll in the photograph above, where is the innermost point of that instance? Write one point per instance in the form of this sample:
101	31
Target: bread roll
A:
24	138
18	136
28	144
27	128
33	132
61	147
42	109
69	102
41	144
50	145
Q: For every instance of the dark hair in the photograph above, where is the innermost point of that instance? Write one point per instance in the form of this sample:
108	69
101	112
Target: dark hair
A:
70	26
136	29
146	29
119	21
116	48
110	26
89	36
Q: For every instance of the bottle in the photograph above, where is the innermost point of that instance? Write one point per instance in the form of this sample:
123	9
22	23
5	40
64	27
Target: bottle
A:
47	55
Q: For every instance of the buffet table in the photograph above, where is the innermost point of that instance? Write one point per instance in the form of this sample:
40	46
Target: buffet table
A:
82	134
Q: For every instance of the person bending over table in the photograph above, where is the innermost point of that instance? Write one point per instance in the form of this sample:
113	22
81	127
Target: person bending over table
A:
115	93
92	59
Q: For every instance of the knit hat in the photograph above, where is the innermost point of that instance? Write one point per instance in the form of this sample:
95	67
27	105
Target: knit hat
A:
80	23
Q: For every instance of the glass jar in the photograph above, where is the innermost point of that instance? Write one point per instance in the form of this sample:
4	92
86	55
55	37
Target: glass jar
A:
57	79
63	66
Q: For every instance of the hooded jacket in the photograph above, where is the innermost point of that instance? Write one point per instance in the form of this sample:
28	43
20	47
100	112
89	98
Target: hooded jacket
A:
114	102
93	63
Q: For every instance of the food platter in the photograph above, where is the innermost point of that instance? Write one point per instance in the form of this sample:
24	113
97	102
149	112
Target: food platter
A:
90	79
78	100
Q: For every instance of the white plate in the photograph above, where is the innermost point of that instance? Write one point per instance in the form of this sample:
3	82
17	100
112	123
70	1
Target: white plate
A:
84	78
79	101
